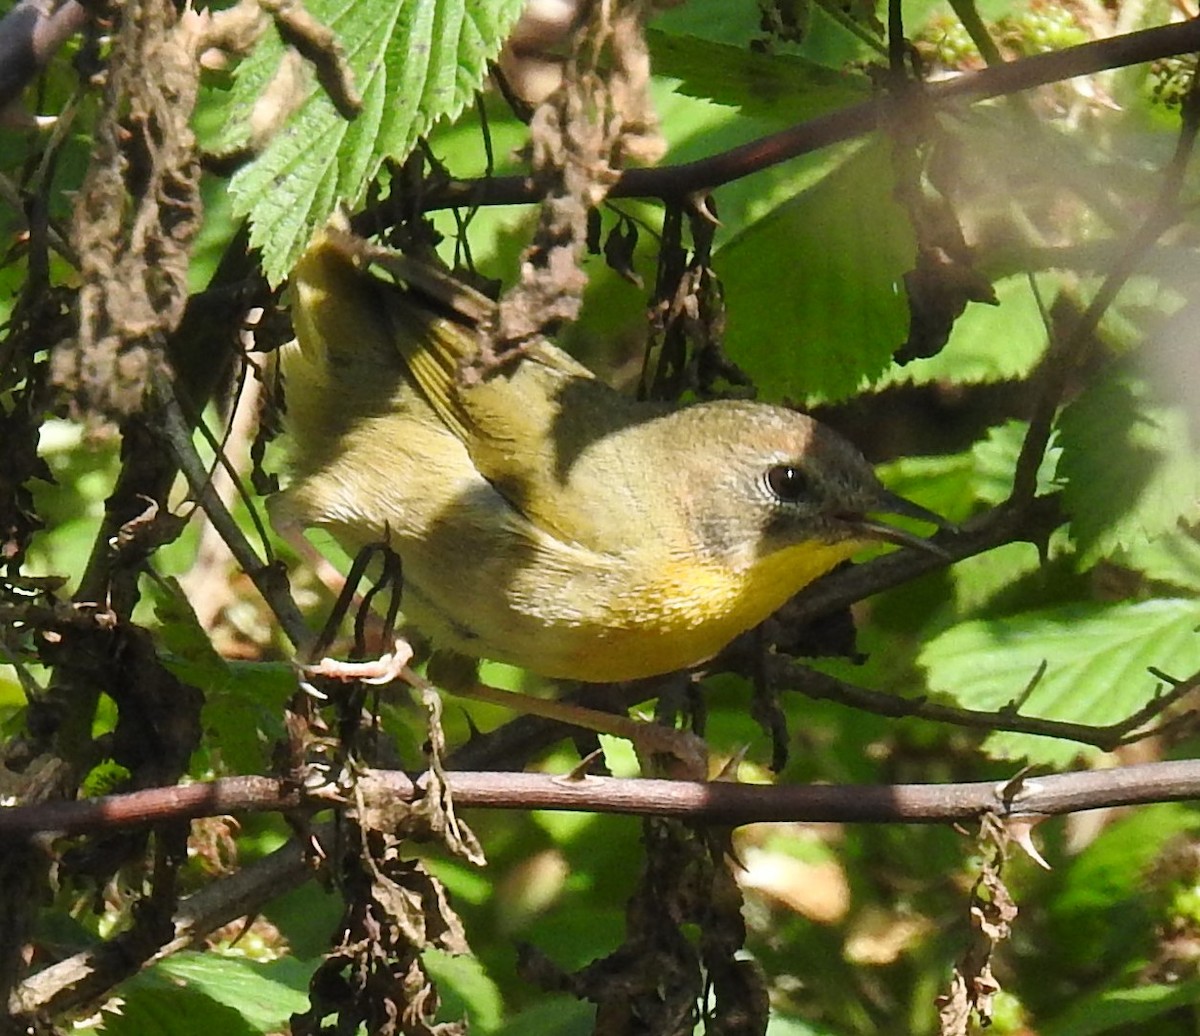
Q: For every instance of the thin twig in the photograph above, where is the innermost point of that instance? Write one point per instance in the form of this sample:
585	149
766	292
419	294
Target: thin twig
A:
271	580
790	676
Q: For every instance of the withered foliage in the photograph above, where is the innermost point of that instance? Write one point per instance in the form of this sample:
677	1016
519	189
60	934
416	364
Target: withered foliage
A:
394	909
973	986
137	213
598	120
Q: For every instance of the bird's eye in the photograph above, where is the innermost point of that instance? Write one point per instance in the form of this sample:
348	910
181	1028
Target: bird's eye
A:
789	484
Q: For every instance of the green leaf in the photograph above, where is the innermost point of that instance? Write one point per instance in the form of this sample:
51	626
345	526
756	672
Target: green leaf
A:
783	1026
203	993
1130	469
414	62
1113	1008
1172	558
943	484
763	85
243	701
1096	658
553	1015
813	288
264	994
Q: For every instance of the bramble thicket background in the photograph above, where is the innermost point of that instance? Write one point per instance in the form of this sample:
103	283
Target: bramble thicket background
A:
965	234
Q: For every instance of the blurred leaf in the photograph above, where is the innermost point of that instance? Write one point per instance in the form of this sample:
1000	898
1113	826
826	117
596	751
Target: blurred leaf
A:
996	461
1105	1011
192	658
1098	910
1129	466
814	303
781	1026
824	40
243	701
1096	659
1172	558
943	484
552	1016
414	62
165	1010
977	579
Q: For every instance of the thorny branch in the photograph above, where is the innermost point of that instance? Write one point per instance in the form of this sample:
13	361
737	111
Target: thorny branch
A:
709	802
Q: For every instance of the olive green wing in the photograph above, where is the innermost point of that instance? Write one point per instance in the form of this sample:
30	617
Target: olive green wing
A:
525	425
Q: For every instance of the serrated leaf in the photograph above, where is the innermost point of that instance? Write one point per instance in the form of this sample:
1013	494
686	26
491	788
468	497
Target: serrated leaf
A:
1173	558
1096	659
815	308
414	62
1129	466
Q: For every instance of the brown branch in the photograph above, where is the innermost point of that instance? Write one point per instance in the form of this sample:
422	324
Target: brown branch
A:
714	802
77	981
678	181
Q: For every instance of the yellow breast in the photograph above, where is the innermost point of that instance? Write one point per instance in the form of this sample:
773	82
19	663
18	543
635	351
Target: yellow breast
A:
690	611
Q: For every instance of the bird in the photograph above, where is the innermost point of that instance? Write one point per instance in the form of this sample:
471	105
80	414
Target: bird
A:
543	518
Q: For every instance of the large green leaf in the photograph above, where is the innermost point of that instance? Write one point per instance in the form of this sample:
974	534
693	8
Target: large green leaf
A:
1130	469
466	989
816	304
1096	658
414	62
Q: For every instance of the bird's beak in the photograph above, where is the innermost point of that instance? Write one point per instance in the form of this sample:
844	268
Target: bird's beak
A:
889	503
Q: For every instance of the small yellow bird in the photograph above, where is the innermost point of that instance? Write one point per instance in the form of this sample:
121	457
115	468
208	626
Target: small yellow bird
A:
541	517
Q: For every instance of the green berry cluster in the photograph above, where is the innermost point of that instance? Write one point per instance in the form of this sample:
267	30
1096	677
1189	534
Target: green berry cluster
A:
1040	28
